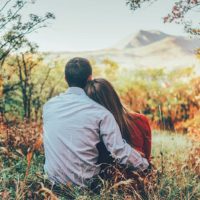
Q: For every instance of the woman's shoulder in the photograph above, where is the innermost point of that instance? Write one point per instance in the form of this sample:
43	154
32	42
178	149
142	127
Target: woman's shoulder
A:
139	116
142	122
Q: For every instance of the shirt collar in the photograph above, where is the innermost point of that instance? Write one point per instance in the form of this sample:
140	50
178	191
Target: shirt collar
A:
75	90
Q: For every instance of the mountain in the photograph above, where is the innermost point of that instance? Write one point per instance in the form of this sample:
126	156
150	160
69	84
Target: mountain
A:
160	39
140	39
144	49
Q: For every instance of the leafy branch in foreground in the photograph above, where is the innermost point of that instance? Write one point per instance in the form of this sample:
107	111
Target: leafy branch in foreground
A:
179	13
13	27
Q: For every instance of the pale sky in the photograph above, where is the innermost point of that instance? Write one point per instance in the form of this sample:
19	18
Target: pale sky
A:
96	24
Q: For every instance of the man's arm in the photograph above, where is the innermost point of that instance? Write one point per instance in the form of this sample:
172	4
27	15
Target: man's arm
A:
119	149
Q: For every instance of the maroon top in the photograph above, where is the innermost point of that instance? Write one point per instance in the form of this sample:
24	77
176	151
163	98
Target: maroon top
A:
141	135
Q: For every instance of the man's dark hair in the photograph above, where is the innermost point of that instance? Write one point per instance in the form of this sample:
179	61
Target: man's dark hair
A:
77	72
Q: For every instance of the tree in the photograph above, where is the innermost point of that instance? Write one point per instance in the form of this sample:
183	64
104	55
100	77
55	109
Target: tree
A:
179	13
110	69
25	65
29	83
13	28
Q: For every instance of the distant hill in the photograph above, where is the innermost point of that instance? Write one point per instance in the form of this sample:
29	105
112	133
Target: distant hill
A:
144	49
140	39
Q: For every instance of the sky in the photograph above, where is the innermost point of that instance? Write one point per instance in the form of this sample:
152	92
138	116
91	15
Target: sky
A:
83	25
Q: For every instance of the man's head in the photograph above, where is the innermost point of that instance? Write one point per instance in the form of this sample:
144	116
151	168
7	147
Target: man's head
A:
77	72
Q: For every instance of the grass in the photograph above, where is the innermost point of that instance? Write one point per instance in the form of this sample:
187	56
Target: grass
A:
176	158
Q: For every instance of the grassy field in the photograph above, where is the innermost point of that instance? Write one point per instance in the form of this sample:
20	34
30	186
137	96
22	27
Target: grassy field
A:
176	158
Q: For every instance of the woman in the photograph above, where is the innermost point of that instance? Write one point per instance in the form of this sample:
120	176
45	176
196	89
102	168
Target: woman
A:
134	127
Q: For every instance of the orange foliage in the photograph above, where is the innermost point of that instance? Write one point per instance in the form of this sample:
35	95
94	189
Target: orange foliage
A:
174	108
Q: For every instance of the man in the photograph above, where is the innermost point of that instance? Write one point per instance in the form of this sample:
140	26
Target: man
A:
74	124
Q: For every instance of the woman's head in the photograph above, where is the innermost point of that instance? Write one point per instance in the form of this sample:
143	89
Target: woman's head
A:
101	91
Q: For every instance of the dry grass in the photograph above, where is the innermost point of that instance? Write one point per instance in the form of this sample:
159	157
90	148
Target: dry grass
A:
177	174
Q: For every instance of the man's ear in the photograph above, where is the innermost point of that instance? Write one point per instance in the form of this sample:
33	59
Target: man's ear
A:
90	78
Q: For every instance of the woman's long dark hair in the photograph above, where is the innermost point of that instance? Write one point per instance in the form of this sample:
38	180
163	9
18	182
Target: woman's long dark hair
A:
101	91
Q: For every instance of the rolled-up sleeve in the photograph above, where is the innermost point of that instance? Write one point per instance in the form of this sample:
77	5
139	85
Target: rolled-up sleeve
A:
119	149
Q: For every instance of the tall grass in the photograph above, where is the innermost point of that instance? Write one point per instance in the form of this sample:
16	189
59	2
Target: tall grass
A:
174	155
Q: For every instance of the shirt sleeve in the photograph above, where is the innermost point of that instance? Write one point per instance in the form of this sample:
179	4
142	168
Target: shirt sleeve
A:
119	149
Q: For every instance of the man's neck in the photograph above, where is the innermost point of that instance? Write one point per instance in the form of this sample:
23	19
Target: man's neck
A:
75	90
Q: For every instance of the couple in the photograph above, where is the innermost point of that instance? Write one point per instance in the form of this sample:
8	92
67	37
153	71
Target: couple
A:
86	122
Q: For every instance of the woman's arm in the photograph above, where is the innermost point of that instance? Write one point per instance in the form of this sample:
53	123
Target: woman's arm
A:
147	139
143	133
